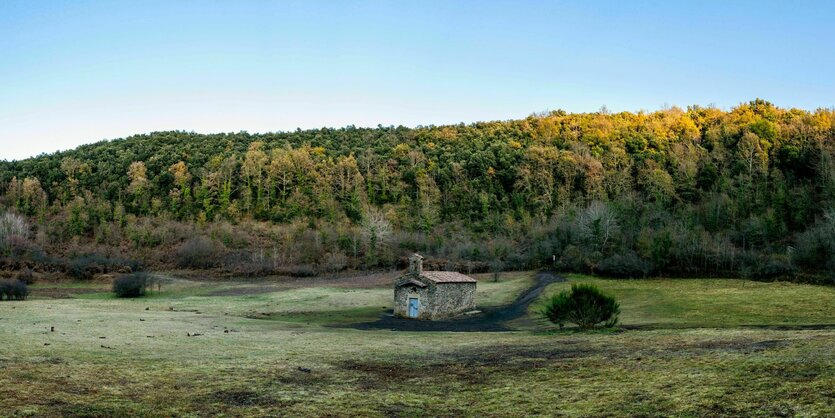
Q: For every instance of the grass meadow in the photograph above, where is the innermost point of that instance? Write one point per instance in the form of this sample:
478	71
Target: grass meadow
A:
686	347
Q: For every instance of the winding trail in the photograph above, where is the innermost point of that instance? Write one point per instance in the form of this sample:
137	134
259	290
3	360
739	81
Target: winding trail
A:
491	319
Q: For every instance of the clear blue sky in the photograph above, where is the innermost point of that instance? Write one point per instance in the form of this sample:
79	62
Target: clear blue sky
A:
78	71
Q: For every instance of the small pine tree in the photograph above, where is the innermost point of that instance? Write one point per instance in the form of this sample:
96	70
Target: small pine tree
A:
584	306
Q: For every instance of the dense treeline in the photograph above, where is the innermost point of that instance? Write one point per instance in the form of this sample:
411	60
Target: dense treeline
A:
686	192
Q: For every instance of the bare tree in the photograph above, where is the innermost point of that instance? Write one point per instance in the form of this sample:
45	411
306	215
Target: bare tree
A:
13	225
376	232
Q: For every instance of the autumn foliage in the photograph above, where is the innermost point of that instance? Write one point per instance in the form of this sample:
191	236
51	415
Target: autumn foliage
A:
679	191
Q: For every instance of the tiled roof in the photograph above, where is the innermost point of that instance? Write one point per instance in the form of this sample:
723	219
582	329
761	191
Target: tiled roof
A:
447	277
412	282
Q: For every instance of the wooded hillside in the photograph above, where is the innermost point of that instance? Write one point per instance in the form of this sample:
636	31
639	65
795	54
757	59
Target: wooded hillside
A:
701	191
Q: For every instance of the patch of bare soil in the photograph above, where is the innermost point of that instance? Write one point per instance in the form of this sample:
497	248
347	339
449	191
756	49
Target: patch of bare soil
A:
468	366
62	292
377	375
737	345
490	320
476	365
399	409
242	398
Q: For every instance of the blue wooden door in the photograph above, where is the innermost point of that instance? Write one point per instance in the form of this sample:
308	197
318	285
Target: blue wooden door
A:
414	305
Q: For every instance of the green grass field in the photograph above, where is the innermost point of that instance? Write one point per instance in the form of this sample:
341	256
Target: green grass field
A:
688	348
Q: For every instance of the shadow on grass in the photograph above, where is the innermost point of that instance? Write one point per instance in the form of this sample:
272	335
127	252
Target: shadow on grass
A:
799	327
324	318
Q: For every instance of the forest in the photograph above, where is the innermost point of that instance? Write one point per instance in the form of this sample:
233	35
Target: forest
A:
746	192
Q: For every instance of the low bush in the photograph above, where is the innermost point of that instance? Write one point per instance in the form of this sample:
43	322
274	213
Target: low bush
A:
229	235
629	266
48	263
255	264
25	275
446	264
335	262
83	267
298	270
198	252
584	305
13	290
17	246
575	259
131	285
248	264
773	269
86	266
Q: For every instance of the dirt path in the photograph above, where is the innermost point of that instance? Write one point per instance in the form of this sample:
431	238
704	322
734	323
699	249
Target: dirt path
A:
492	319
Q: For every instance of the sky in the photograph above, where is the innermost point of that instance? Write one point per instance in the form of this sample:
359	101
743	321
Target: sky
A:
76	71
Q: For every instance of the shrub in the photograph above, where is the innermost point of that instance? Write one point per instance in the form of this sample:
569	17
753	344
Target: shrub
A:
773	269
298	270
229	235
815	248
248	264
20	290
584	305
335	262
25	275
86	266
130	285
496	267
17	246
46	262
198	252
574	258
627	265
13	290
